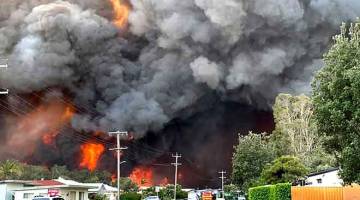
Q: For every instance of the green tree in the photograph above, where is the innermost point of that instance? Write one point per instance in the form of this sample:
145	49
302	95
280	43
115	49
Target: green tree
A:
231	188
336	97
59	171
127	185
296	132
32	172
251	155
167	193
149	192
10	169
285	169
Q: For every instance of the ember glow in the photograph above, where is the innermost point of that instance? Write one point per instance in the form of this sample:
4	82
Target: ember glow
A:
90	155
113	178
164	182
121	13
142	176
41	124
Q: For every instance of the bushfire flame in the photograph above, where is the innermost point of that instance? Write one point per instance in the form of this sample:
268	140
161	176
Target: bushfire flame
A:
142	176
90	155
121	13
41	124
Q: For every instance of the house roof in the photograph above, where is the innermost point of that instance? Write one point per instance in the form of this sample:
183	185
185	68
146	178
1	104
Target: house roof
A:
101	187
323	172
15	181
46	183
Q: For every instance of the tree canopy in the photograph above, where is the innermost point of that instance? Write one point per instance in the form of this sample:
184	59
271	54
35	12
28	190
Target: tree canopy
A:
336	97
285	169
296	132
251	155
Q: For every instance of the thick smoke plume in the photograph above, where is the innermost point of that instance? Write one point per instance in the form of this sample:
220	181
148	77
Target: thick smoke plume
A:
246	51
171	61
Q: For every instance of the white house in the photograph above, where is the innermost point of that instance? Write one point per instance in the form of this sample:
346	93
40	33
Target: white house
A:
326	178
7	186
68	190
103	189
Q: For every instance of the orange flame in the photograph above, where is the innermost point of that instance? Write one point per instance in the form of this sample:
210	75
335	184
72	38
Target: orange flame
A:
142	176
121	13
113	178
90	154
49	138
43	123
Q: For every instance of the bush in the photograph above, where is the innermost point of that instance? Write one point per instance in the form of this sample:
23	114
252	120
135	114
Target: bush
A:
281	191
260	193
130	196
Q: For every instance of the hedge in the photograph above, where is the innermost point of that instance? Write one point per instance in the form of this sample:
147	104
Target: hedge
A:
281	191
260	193
130	196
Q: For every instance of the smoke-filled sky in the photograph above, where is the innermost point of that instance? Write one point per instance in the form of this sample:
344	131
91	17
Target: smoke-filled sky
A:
171	56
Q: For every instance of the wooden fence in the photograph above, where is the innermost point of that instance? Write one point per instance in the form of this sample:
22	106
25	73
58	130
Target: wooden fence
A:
325	193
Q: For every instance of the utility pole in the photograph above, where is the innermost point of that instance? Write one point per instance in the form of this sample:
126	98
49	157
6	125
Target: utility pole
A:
176	164
118	151
222	177
3	64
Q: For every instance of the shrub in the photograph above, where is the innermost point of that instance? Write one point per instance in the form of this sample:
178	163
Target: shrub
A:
281	191
260	193
130	196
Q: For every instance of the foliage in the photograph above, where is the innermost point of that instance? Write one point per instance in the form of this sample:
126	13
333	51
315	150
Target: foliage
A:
127	185
251	155
59	171
260	193
296	132
149	192
32	172
281	191
97	197
130	196
284	169
167	193
231	188
87	176
336	98
10	169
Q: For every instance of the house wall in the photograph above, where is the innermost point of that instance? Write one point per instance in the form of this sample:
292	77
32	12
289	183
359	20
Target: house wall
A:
66	193
327	179
3	192
6	190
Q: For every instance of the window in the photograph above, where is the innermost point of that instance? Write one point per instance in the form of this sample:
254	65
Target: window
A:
81	196
28	195
319	181
72	195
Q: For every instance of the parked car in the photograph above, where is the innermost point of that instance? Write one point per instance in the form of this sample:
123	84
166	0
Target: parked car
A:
48	198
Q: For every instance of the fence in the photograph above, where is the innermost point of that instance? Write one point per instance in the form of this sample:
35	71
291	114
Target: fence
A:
325	193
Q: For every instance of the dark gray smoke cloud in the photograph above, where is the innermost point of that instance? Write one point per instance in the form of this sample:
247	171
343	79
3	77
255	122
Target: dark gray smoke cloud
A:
175	53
